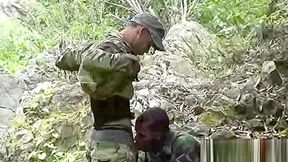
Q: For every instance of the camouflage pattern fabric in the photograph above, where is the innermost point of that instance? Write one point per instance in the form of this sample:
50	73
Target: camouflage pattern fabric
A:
178	147
105	69
108	69
109	151
70	55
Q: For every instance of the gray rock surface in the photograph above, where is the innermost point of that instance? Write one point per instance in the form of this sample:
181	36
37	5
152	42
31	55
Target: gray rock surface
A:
10	96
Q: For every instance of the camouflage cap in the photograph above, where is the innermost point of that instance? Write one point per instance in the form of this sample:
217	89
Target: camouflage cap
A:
154	26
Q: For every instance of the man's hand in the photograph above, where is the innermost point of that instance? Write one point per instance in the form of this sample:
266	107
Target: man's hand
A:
135	68
191	156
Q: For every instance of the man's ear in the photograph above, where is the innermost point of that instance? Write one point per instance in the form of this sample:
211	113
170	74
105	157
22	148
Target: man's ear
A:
140	31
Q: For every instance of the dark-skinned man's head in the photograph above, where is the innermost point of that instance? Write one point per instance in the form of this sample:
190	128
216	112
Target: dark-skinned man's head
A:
151	127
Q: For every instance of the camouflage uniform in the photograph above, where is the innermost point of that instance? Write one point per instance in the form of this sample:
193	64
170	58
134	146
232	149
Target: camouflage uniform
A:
113	61
106	72
178	147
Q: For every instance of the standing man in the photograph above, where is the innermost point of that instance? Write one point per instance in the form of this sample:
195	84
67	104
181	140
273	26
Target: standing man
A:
106	73
159	143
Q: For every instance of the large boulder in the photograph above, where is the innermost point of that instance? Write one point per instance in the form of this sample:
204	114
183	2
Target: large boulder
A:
41	69
50	97
175	66
10	96
173	79
56	115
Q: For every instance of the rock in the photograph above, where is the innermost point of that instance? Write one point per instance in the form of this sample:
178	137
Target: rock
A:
270	72
68	134
224	101
281	125
167	105
211	118
143	92
26	139
50	97
189	40
198	130
192	33
34	103
247	106
154	103
272	107
138	109
163	83
6	116
222	134
10	96
232	92
191	100
282	65
270	121
10	92
68	130
3	70
10	9
186	67
197	110
256	125
66	95
39	69
87	121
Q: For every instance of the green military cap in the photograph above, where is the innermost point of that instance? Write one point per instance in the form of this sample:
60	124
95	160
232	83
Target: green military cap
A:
155	27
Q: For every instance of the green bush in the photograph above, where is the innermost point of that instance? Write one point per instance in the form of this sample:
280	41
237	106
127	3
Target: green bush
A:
18	44
236	23
232	17
75	19
50	21
48	139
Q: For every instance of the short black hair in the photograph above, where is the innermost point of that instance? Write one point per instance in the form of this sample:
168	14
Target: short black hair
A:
158	119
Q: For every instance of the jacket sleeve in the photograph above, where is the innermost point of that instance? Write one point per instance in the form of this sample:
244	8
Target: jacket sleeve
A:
103	74
70	56
98	59
186	149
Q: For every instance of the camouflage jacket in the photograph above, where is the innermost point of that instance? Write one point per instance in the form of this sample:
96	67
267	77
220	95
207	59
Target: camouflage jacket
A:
178	147
105	69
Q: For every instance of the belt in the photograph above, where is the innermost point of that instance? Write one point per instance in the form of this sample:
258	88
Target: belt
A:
118	136
118	131
123	124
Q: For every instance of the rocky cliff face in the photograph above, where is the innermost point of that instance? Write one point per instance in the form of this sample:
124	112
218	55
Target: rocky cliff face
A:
52	112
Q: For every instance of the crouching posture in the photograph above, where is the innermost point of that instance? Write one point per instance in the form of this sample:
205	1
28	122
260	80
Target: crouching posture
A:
159	143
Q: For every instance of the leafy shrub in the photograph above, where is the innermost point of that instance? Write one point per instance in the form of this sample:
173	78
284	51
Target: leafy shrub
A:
76	19
18	44
228	18
50	21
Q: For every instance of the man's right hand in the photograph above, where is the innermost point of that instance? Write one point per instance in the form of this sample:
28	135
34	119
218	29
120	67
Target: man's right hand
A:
135	65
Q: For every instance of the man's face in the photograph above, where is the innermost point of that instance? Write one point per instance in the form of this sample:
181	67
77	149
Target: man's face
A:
145	138
143	41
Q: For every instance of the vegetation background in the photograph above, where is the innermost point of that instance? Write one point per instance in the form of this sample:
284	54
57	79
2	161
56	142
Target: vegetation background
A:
238	25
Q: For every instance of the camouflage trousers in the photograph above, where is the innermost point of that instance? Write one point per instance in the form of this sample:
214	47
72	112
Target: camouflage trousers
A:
109	151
